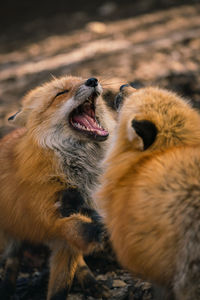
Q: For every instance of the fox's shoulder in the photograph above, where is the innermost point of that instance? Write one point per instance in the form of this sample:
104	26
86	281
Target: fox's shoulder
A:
15	134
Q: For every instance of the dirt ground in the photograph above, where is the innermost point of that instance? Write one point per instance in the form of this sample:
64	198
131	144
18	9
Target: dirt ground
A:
147	42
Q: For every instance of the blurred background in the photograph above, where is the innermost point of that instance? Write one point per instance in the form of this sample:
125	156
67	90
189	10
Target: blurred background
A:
142	41
148	42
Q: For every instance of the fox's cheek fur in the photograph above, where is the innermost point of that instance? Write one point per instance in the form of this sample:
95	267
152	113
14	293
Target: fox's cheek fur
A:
65	135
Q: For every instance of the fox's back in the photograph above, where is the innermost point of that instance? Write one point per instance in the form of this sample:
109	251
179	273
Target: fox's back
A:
162	208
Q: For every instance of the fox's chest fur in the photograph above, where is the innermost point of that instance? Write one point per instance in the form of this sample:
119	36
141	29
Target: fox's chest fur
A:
81	165
66	125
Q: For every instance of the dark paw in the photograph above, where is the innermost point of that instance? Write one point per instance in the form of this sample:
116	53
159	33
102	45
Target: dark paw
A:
72	202
91	213
93	232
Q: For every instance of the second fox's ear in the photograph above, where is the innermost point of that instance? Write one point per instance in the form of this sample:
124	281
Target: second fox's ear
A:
145	131
118	101
19	118
125	91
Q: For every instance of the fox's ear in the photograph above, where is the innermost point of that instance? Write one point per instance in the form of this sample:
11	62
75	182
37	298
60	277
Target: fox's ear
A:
124	91
143	132
118	101
19	118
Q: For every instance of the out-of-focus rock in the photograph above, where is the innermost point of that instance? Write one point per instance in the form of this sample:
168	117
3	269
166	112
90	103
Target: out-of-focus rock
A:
119	283
96	27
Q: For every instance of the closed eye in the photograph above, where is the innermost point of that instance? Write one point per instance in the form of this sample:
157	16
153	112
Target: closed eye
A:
61	93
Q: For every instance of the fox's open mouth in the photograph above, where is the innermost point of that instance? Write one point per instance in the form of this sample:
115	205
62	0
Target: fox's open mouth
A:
83	119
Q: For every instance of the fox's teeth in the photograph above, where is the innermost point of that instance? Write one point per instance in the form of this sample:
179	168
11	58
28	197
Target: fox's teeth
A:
78	125
99	125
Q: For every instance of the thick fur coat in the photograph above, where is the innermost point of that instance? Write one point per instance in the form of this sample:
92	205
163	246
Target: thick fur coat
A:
150	192
49	154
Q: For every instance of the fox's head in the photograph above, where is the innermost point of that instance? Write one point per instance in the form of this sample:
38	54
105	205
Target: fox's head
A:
69	107
154	119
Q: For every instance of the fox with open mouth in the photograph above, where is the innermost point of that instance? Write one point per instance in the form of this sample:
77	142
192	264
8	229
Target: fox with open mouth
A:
64	132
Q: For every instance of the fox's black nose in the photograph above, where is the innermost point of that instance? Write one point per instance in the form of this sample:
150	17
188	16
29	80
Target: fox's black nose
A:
92	82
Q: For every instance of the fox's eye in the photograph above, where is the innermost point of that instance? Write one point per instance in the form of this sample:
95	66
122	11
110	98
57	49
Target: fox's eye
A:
62	92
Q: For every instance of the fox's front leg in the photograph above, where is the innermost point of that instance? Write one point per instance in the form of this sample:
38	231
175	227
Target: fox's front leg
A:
80	232
89	283
90	228
63	264
73	202
77	230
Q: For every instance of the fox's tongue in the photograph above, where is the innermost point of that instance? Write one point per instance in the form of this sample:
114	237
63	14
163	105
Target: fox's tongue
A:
90	124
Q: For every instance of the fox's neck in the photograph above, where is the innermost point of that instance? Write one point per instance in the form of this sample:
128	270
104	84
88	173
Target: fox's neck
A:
81	164
76	163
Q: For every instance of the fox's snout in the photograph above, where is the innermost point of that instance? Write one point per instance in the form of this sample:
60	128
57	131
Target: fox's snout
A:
92	82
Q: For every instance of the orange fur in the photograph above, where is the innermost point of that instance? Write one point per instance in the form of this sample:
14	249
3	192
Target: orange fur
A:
28	193
33	173
150	198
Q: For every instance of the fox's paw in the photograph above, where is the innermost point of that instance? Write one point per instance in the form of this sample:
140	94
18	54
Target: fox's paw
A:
93	235
93	232
72	202
94	288
83	233
91	213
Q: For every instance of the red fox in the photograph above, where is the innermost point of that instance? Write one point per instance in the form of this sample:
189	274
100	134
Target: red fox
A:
149	194
65	129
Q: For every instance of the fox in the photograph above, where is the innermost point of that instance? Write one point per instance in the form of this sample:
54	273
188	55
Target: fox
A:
64	128
149	192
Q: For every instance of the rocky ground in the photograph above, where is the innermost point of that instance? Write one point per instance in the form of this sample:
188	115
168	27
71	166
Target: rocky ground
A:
146	42
33	278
